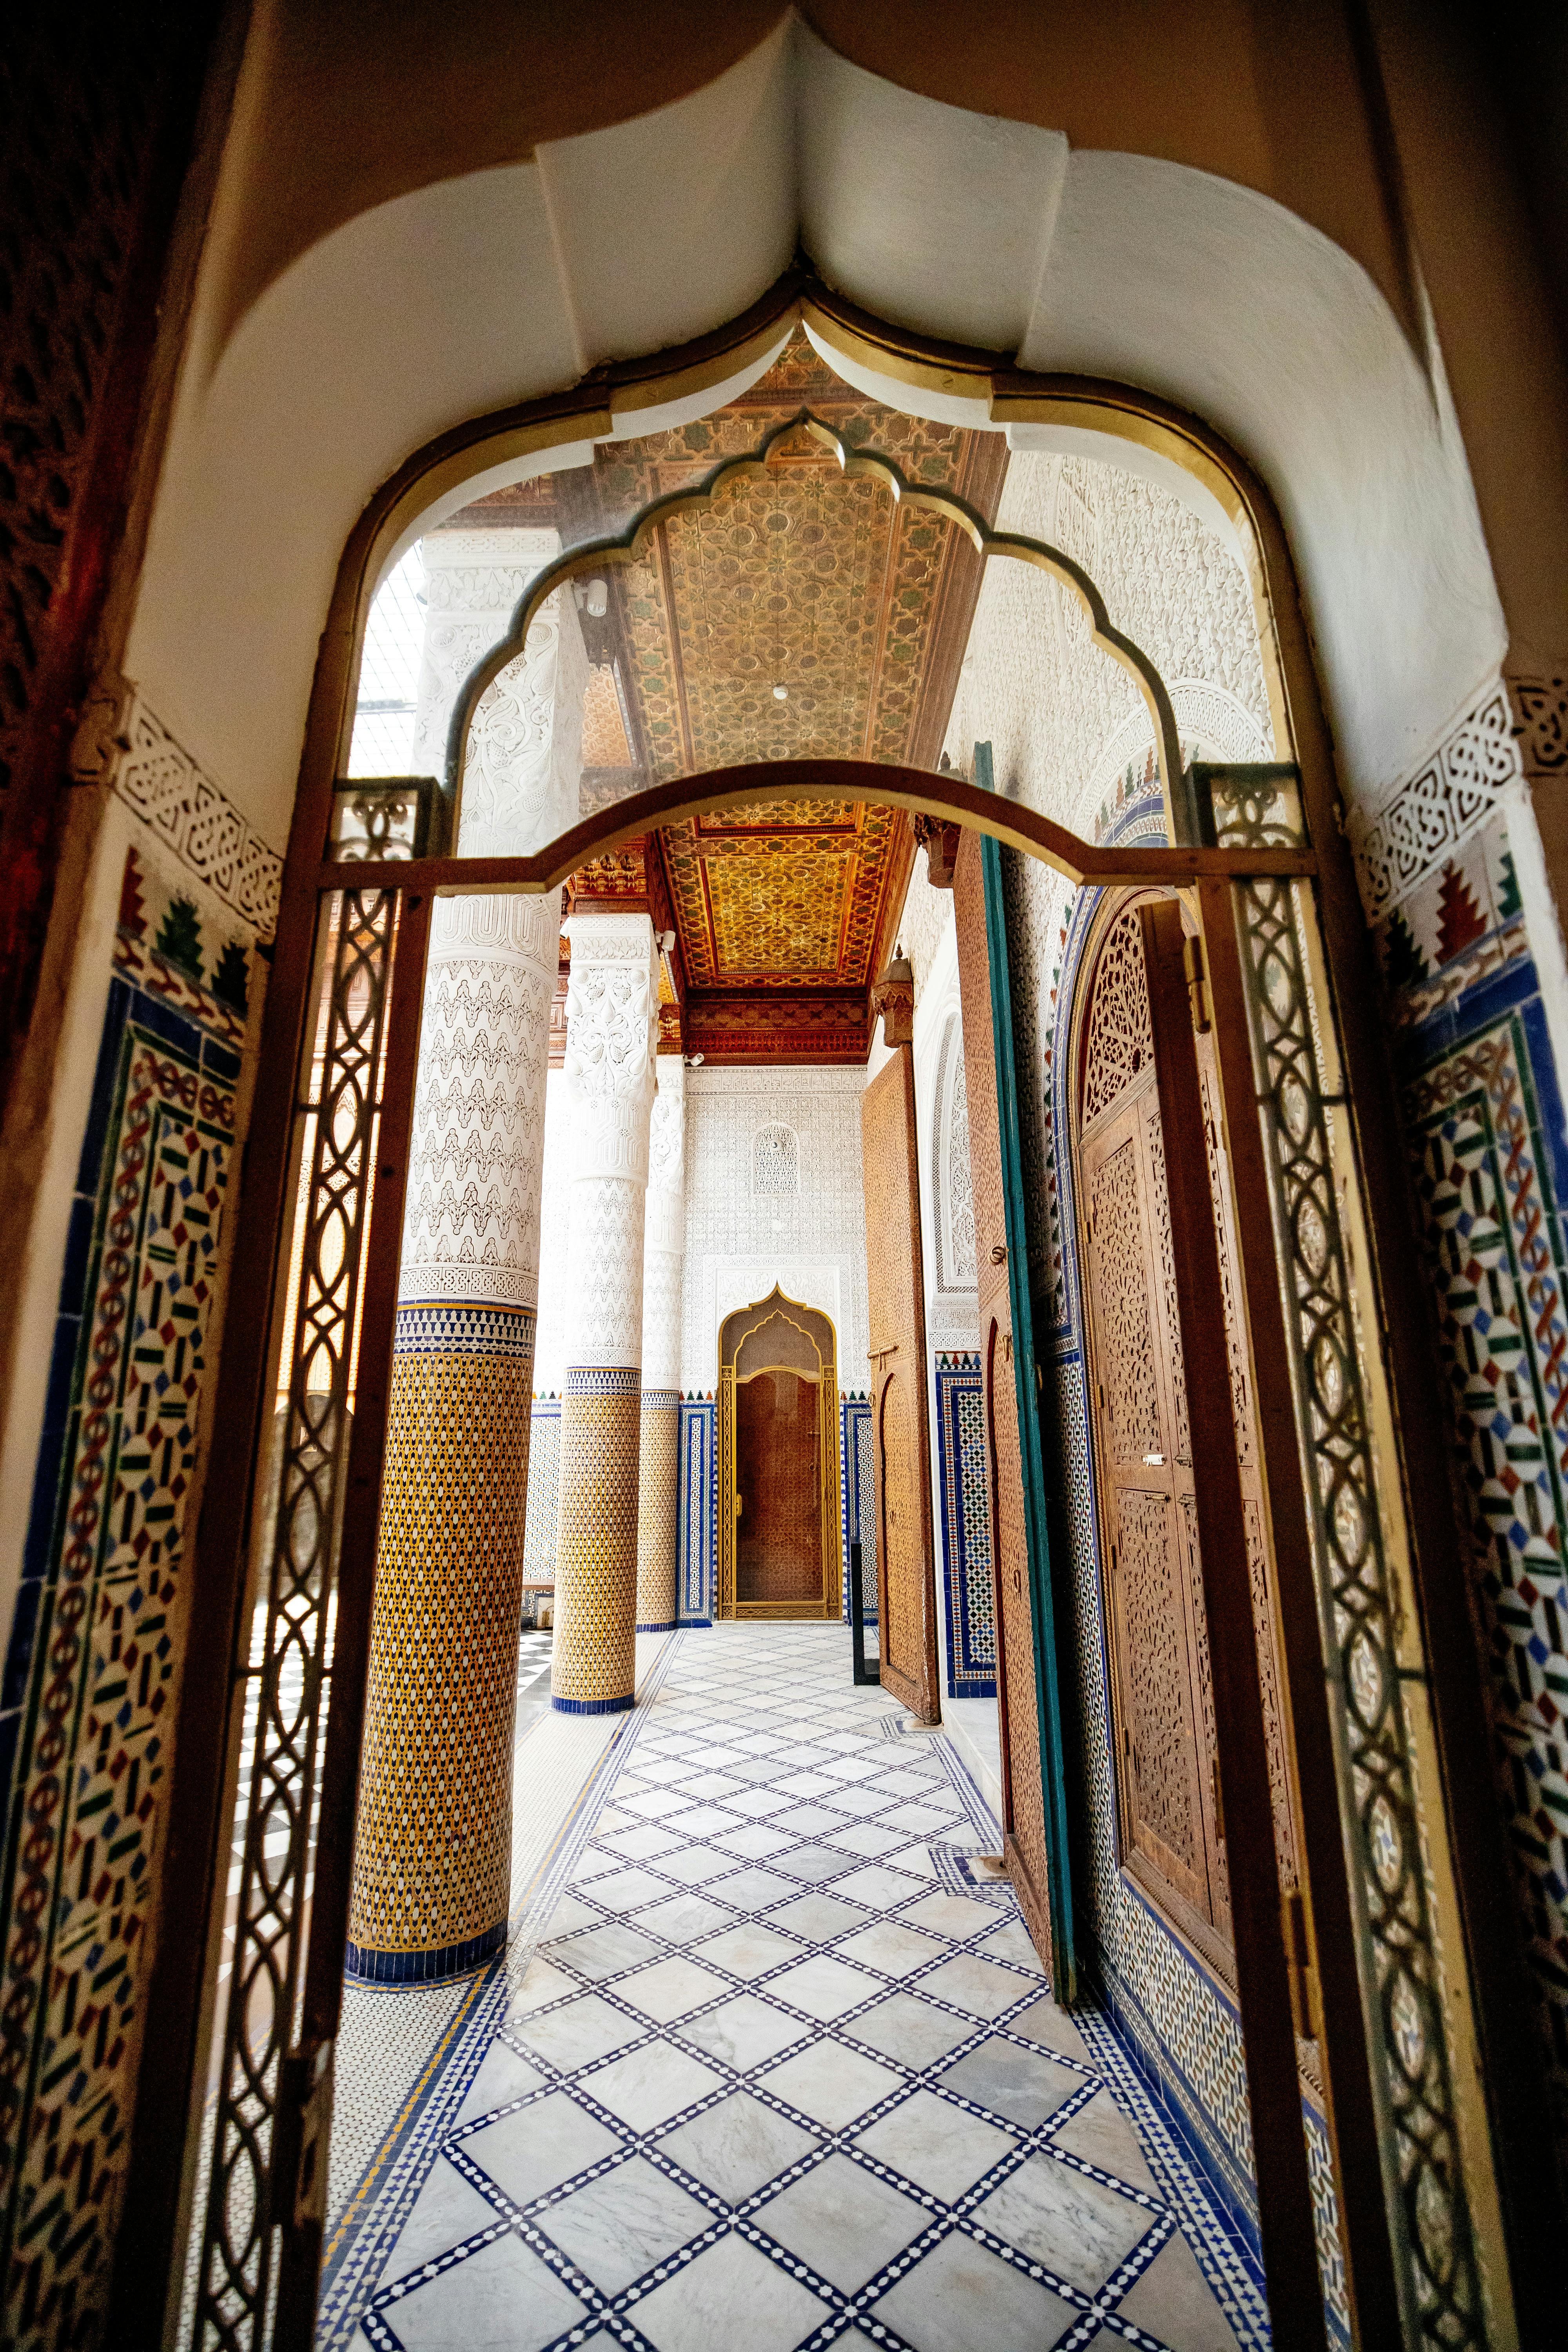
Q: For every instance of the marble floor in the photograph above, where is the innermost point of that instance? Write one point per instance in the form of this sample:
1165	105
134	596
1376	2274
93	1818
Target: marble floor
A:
776	2066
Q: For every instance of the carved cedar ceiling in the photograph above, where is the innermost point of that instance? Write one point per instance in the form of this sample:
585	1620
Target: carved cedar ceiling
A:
860	609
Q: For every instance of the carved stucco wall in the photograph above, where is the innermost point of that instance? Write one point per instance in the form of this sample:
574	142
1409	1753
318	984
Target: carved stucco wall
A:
1063	719
739	1244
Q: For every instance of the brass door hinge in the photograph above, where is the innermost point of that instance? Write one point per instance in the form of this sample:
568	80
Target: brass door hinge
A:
1196	970
1305	1999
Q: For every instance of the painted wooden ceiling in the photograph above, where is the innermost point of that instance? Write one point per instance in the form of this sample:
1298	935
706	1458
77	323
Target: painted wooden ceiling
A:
801	579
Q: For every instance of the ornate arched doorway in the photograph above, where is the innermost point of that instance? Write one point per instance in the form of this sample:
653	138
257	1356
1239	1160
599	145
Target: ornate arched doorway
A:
778	1462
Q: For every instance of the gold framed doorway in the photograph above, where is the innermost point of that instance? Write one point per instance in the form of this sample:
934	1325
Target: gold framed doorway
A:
795	1349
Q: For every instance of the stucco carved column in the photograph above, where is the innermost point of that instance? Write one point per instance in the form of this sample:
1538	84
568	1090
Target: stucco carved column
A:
432	1854
612	1027
663	1263
433	1857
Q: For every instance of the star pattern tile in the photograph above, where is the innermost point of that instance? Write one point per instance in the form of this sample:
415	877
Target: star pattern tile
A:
824	2100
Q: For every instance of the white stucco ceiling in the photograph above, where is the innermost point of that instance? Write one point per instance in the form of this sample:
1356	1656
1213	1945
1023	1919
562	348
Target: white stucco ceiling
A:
507	283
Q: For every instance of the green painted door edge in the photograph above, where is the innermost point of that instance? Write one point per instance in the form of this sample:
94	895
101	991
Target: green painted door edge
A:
1031	1399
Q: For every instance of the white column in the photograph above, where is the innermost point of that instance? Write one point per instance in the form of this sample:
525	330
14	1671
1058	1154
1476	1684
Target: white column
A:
611	1029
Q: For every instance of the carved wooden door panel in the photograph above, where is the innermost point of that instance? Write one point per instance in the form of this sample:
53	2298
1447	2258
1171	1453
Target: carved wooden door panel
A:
901	1454
1147	1486
778	1536
1172	1833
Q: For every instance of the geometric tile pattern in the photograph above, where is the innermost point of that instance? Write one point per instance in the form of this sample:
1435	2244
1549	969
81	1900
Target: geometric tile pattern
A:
92	1676
597	1548
543	1494
433	1837
859	1501
1483	1128
965	1528
768	2081
658	1505
699	1511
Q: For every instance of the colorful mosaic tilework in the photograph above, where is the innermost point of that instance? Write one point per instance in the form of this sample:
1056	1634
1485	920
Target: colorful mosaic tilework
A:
91	1675
779	2076
596	1551
858	1509
1484	1126
543	1493
658	1509
432	1853
967	1587
699	1511
441	1328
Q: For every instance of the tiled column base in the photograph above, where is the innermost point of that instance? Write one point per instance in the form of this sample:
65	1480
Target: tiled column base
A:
658	1509
595	1666
432	1858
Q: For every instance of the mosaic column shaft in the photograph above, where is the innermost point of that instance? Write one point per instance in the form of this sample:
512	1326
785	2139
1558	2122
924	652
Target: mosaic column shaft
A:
664	1264
611	1026
433	1854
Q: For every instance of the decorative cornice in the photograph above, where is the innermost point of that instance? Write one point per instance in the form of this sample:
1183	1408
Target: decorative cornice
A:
120	743
1452	792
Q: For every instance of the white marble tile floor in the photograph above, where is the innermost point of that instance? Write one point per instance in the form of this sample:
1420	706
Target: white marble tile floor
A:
778	2072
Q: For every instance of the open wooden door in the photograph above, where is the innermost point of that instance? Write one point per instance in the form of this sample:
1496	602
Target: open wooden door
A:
1034	1801
906	1580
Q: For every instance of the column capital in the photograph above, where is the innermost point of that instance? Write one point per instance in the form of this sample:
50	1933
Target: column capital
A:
612	1036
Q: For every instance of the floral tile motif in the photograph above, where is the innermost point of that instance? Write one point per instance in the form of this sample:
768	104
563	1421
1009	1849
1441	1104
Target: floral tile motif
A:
844	2109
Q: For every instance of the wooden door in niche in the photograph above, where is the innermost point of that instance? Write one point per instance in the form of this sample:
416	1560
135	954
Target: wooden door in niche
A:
778	1477
906	1580
779	1539
1170	1823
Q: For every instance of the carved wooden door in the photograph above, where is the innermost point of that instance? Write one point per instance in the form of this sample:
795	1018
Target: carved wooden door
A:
1172	1828
901	1452
778	1534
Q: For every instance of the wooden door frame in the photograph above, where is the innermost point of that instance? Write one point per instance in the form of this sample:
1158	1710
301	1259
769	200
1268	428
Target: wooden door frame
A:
918	1375
1504	2078
829	1496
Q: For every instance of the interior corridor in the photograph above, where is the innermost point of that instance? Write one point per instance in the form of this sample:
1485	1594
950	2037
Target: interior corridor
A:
769	2061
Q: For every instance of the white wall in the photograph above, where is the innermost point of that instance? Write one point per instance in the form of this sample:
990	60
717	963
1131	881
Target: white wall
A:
738	1246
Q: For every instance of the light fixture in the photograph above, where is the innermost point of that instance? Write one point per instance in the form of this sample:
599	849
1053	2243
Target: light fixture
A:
781	694
593	598
694	1061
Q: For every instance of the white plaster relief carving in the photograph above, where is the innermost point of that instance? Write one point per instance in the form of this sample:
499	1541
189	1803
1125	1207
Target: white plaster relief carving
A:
1053	708
122	744
776	1162
737	1244
604	1271
1450	794
612	1031
524	757
474	582
664	1237
471	1224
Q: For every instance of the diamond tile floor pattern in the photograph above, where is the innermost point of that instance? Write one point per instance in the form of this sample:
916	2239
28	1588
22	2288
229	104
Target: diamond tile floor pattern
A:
780	2073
